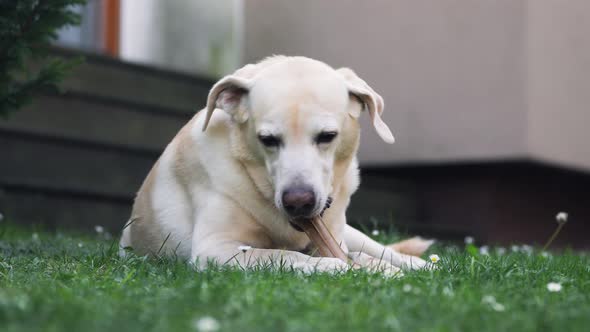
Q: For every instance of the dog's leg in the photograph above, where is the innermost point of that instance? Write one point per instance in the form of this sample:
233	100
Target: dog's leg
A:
357	241
415	246
233	253
245	257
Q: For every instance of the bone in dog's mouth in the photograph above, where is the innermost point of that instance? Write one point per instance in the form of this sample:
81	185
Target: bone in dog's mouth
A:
320	235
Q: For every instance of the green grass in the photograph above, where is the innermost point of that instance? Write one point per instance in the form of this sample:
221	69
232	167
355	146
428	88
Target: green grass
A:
77	283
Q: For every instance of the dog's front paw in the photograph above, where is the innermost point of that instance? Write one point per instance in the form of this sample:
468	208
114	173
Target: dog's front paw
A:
414	263
373	264
321	264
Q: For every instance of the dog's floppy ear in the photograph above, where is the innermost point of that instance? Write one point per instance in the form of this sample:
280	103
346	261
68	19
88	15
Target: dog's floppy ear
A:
372	102
228	95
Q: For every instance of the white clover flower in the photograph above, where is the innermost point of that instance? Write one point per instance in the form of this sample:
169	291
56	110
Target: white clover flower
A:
469	240
526	249
375	232
206	324
554	287
487	299
434	258
561	217
484	250
500	251
491	301
35	237
448	292
498	307
244	248
99	229
407	288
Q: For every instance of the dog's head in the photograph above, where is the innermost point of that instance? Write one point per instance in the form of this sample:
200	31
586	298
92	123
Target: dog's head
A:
299	119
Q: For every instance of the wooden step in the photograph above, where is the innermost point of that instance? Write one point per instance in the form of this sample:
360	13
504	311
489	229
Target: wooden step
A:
91	119
55	209
36	161
103	76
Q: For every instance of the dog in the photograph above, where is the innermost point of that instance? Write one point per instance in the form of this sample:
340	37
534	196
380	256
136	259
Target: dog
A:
276	141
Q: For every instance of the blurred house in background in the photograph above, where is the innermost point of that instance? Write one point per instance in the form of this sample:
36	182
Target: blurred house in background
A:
488	101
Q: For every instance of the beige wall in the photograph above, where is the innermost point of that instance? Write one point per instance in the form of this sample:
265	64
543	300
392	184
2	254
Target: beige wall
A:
451	72
462	79
559	81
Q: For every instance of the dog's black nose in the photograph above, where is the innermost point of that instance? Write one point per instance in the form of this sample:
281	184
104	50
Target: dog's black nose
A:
299	201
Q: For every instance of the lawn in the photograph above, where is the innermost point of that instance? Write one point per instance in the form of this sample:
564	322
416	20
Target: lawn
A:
70	282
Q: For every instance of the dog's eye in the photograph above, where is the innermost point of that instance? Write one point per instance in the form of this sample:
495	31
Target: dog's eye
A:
325	137
269	141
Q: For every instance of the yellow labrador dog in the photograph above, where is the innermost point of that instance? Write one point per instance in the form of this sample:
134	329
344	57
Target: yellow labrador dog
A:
276	141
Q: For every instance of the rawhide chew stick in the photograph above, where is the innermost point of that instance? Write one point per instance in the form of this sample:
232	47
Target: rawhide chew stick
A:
321	237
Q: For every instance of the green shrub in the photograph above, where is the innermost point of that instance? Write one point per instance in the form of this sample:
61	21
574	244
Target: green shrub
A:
27	28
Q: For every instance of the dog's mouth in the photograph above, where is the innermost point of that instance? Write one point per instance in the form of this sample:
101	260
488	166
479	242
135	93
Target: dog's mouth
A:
295	222
319	234
295	225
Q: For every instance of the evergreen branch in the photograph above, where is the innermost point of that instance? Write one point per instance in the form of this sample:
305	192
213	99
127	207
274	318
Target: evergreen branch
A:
27	28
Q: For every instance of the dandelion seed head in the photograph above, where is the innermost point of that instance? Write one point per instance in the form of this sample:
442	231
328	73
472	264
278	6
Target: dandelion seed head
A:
80	244
500	251
35	237
407	288
469	240
375	232
99	229
1	216
561	217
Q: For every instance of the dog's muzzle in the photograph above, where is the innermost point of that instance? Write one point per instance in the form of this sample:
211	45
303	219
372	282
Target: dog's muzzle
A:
295	222
299	202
